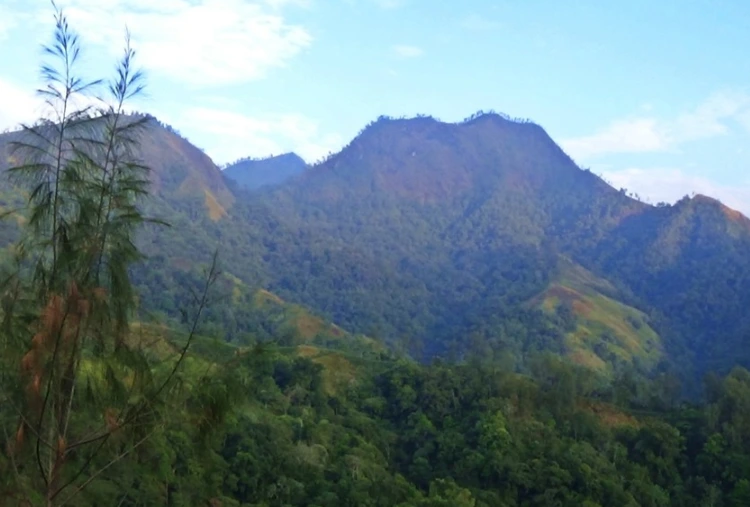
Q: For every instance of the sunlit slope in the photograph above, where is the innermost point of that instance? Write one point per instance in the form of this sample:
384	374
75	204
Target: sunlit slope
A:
602	332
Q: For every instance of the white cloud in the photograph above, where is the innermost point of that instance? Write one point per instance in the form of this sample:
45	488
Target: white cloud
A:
665	184
16	105
621	136
225	134
229	135
405	51
199	42
650	134
22	105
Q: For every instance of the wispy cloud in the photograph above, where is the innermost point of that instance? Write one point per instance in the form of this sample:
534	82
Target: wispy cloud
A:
198	42
228	135
621	136
476	23
667	184
641	134
406	51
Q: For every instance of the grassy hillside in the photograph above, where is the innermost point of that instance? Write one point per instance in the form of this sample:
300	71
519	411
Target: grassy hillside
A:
604	333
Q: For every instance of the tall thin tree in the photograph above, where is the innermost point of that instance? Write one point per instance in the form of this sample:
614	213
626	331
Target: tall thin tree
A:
84	391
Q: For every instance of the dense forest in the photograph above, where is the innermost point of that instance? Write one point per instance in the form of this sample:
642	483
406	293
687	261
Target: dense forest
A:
438	315
312	426
445	235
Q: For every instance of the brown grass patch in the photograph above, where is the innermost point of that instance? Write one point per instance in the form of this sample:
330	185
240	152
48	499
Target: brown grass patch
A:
215	210
308	351
309	327
582	307
588	359
563	293
609	415
735	216
337	331
558	293
732	214
263	297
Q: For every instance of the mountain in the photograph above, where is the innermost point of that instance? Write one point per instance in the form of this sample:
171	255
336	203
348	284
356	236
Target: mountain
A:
447	231
689	263
188	191
178	167
443	227
250	173
480	237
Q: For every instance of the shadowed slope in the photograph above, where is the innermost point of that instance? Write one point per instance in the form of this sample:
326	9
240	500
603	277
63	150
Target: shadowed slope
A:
251	174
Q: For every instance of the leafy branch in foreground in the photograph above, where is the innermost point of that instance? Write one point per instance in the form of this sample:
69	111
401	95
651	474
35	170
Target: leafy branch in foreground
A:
82	390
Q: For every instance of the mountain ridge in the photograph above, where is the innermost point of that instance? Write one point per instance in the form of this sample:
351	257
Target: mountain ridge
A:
253	173
441	233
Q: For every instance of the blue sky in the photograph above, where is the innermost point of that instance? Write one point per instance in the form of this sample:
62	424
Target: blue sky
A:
655	96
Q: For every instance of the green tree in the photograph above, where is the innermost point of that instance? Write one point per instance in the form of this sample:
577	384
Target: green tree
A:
82	391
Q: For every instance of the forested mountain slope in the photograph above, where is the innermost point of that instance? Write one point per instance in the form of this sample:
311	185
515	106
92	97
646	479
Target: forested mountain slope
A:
448	237
689	264
471	219
555	318
445	226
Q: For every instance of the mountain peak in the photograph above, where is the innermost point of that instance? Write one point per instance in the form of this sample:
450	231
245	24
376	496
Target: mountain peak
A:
423	121
253	173
704	202
428	160
178	168
731	214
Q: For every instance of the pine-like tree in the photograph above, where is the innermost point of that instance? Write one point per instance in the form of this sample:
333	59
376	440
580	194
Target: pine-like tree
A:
80	389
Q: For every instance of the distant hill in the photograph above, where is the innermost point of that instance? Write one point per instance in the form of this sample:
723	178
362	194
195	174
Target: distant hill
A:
478	237
435	230
688	263
253	173
443	231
